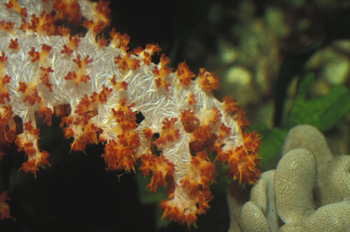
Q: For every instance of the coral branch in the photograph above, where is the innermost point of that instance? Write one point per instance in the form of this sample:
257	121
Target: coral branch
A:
99	89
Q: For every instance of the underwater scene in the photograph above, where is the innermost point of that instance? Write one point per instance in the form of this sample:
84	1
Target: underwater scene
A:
226	115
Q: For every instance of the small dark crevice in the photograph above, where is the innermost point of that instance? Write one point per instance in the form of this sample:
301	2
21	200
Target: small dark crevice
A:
139	117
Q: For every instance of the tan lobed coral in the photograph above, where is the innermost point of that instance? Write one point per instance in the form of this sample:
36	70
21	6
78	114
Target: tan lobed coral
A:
308	191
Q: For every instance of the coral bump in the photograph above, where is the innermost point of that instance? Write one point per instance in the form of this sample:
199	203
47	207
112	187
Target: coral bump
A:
98	87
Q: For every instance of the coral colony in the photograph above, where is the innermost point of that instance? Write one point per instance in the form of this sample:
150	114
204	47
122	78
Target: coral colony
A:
98	87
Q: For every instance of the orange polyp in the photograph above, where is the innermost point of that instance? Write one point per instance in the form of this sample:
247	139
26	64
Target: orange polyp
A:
80	76
168	133
104	94
45	50
245	168
65	31
89	136
126	120
103	12
32	165
7	26
4	94
119	85
138	51
83	78
94	27
207	80
189	120
126	62
200	176
13	4
126	109
178	212
203	133
129	138
161	83
43	25
73	43
152	48
119	40
184	74
72	76
28	142
161	168
31	93
229	105
77	78
3	59
244	160
252	141
34	55
215	115
45	77
162	71
88	104
241	118
147	59
66	50
14	44
7	125
146	54
62	110
29	148
28	127
25	25
82	63
102	18
120	156
67	10
68	132
191	99
224	131
203	138
44	110
148	133
84	105
101	42
174	213
81	129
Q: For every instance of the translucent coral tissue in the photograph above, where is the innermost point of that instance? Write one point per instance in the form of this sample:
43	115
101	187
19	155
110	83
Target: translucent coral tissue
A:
44	68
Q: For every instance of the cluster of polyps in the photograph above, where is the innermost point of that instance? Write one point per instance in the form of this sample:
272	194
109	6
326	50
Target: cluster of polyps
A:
98	89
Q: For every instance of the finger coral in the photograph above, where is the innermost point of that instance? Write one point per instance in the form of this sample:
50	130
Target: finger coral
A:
308	191
103	88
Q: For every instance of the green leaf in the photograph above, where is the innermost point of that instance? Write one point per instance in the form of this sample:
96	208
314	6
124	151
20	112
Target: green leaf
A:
305	84
322	112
